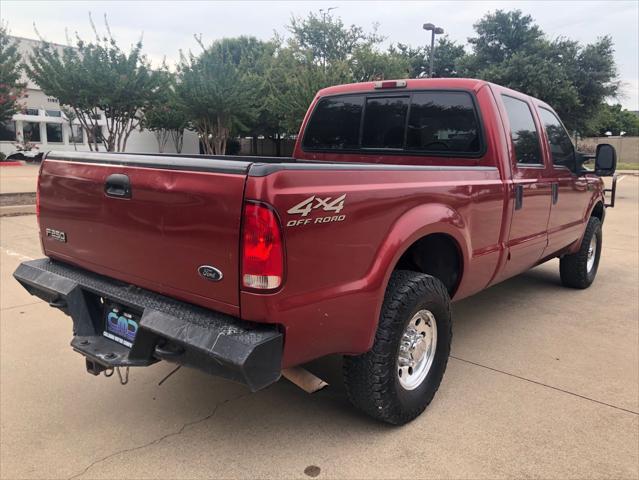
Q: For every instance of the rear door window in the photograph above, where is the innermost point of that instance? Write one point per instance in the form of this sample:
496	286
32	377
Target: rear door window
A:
443	122
385	122
523	131
335	124
561	147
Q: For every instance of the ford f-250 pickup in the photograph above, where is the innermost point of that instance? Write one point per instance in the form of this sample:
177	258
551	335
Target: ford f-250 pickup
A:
400	197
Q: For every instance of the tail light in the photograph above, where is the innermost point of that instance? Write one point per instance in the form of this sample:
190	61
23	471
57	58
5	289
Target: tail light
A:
262	248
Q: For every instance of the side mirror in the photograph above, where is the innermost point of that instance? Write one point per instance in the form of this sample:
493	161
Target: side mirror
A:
605	160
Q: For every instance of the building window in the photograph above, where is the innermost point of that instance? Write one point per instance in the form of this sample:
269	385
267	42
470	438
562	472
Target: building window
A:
54	132
7	131
53	113
31	111
31	131
77	134
52	100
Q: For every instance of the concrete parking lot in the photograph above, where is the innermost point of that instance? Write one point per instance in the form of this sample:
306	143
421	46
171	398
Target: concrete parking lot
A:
543	382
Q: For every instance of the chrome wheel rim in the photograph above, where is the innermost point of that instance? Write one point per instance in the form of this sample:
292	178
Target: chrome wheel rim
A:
592	253
417	350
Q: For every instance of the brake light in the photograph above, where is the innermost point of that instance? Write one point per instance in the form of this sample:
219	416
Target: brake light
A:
390	84
262	248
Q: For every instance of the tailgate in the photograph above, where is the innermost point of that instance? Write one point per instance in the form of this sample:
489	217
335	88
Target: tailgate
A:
179	214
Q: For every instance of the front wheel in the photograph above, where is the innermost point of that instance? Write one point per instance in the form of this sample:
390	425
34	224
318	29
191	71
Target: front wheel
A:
579	269
397	379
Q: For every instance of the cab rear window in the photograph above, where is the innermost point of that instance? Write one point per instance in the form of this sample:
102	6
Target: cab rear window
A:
434	122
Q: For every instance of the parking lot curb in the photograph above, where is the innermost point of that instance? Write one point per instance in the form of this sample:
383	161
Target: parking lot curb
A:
14	210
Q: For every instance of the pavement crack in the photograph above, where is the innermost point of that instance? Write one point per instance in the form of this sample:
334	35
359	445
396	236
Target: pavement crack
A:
545	385
160	439
20	306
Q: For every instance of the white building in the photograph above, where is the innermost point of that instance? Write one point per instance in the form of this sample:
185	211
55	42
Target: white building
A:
43	123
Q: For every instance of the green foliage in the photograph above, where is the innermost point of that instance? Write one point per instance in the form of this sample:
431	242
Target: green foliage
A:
217	92
448	55
98	77
10	69
247	86
294	84
574	79
327	40
613	119
167	118
501	35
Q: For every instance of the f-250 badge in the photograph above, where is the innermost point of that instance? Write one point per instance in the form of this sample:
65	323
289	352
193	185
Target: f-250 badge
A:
307	206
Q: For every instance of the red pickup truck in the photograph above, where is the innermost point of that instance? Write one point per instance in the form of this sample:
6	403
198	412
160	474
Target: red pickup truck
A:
400	197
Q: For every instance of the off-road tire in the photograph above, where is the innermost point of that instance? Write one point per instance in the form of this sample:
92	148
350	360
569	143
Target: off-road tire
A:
573	268
371	379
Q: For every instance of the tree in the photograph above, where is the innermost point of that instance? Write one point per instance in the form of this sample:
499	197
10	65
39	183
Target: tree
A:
10	72
502	34
326	38
167	119
217	93
96	78
70	117
294	82
613	119
448	54
323	52
511	50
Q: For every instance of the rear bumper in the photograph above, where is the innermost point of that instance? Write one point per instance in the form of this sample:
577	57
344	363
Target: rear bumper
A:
168	329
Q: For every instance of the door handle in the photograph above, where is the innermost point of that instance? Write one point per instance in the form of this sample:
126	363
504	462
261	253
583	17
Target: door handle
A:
555	193
118	185
519	197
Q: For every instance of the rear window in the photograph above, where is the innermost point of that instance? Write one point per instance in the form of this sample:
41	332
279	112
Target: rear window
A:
335	124
384	122
436	122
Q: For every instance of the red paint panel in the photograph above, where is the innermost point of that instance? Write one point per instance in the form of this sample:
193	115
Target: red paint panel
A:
174	222
337	269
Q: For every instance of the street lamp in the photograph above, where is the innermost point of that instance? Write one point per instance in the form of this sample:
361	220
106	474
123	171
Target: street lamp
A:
434	31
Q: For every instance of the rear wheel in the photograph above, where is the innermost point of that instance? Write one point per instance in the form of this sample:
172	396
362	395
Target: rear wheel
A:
579	269
399	376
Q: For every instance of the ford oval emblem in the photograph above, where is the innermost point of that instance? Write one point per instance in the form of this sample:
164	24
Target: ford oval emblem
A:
210	273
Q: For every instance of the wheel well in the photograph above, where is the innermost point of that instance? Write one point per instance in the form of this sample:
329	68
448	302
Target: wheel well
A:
598	211
437	255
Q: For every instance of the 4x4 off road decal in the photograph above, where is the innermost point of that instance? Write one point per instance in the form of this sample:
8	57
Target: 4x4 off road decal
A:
313	203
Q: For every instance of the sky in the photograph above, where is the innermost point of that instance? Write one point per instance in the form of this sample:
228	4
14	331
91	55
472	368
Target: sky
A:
168	27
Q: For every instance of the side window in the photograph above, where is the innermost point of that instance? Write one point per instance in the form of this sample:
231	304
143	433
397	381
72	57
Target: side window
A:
385	122
561	147
444	122
335	124
523	131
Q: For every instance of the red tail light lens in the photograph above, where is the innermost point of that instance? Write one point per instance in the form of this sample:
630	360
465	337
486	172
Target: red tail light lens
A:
262	248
